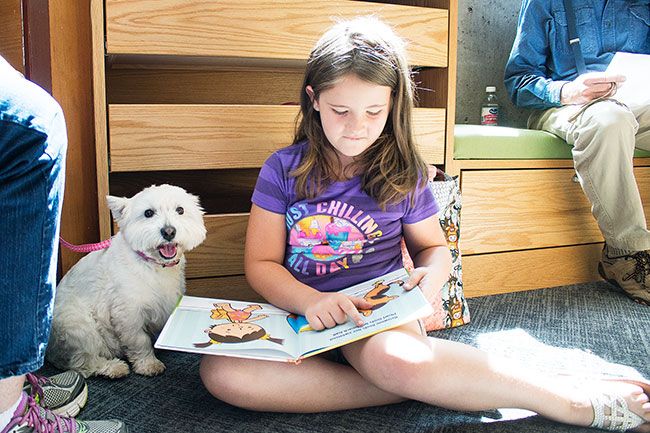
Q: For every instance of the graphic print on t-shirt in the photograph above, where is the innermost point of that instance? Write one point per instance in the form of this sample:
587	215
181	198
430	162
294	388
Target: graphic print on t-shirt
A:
327	237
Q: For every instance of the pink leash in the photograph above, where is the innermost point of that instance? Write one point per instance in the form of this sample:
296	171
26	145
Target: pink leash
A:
86	248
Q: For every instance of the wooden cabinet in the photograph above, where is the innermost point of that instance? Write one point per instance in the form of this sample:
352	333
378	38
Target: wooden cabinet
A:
526	226
529	269
199	93
509	210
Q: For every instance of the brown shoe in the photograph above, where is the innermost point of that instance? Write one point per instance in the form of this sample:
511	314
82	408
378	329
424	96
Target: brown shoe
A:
630	273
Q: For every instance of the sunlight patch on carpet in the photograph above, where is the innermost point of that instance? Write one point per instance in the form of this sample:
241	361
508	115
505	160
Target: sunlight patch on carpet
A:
519	346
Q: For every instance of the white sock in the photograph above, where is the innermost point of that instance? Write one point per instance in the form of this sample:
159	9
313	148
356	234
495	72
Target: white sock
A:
7	415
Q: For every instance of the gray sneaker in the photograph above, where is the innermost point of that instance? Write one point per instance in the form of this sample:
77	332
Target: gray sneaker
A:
29	417
64	394
630	273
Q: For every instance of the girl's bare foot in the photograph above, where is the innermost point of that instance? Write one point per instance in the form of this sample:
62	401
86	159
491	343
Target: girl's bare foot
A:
614	404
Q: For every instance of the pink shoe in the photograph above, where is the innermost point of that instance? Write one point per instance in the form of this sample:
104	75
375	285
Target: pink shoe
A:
29	417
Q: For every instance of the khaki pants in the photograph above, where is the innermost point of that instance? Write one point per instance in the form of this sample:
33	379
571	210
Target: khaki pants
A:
603	140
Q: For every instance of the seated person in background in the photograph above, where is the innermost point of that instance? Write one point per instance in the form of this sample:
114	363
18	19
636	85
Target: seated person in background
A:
541	73
33	143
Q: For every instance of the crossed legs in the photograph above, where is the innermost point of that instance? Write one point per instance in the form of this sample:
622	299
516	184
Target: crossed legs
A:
403	364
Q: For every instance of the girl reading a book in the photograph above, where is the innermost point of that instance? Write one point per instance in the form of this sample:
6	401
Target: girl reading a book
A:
328	212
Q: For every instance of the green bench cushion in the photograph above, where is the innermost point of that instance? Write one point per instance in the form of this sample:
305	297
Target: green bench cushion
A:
500	142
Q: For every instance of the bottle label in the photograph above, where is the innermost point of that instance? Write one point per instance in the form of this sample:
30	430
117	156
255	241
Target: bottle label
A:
490	116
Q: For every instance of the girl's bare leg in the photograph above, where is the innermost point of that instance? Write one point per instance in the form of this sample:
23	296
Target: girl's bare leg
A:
314	385
404	364
458	376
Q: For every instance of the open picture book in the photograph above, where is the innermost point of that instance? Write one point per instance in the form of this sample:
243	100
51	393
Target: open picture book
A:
262	331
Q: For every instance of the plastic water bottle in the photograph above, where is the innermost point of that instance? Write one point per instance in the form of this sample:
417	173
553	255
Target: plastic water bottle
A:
490	107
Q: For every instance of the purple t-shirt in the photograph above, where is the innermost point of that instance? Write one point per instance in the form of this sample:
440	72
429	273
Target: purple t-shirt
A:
341	237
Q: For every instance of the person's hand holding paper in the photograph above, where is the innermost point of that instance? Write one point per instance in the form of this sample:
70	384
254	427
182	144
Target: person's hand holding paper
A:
590	86
636	68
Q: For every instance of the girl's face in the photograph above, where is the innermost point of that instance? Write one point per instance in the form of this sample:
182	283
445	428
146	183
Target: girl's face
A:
353	113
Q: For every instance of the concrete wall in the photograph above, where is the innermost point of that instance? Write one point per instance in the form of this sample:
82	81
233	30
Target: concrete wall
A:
486	30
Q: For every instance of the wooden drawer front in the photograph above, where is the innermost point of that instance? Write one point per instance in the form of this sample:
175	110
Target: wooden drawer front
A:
222	252
187	137
489	274
269	29
506	210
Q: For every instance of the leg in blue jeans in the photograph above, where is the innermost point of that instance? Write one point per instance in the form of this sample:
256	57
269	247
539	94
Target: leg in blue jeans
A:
32	165
33	143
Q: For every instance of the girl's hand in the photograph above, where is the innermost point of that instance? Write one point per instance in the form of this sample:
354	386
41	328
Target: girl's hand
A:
423	277
331	309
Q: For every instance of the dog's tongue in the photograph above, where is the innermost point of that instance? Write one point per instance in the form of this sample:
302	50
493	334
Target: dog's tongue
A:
168	251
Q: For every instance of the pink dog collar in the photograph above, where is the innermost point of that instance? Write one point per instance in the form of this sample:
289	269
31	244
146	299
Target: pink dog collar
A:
163	264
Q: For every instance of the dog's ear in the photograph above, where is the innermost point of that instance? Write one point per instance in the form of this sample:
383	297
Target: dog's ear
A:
117	206
197	202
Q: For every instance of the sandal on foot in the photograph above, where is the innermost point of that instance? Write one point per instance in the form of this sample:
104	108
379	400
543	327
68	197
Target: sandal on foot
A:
619	416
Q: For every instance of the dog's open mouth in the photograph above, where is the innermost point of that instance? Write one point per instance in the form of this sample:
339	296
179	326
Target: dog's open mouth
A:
167	251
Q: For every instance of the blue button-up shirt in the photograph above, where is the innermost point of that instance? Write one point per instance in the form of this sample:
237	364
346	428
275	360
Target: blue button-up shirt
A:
541	60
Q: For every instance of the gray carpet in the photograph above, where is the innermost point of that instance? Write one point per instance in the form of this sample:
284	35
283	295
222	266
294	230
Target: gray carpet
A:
580	329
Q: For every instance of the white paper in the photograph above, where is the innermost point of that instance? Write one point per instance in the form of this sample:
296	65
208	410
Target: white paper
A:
635	91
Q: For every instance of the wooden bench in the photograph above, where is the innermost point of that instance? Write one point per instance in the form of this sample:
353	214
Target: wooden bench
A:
525	222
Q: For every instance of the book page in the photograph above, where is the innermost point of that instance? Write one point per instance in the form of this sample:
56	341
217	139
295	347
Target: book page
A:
635	91
392	306
230	328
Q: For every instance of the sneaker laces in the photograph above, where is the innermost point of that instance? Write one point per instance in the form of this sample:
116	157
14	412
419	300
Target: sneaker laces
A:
641	267
43	420
36	382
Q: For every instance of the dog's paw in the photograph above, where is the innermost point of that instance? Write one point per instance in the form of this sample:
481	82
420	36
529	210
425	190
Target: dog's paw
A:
148	366
114	368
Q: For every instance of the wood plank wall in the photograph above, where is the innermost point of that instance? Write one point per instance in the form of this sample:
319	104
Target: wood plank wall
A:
11	33
61	53
70	43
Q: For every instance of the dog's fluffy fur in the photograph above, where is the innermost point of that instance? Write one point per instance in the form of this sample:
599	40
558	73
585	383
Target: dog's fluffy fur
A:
111	302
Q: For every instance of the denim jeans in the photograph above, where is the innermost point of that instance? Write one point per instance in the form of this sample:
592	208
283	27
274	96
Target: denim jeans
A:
33	143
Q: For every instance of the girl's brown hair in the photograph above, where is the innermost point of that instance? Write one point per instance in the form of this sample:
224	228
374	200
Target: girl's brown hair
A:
391	167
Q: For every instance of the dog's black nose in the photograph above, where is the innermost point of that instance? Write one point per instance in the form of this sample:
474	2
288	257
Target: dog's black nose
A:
168	232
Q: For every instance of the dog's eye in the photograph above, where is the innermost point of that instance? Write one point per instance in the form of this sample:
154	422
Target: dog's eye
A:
148	213
180	210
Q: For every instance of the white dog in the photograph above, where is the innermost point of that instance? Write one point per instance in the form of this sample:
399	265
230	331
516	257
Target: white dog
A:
111	302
